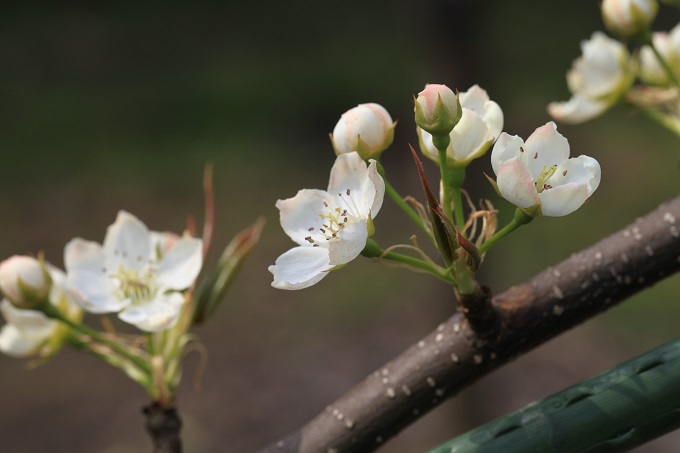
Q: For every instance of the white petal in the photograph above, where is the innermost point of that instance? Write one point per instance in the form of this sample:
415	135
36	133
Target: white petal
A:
300	267
506	147
544	147
161	242
159	314
127	243
576	110
25	332
300	215
351	241
563	200
601	69
468	137
516	184
82	255
426	145
94	292
349	172
494	119
181	264
14	344
379	185
474	99
581	170
26	320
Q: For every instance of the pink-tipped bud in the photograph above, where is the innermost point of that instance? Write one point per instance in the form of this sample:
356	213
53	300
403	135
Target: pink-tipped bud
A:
437	109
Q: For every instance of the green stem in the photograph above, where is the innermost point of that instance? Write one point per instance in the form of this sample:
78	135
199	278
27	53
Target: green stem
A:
399	201
441	142
373	250
661	119
616	410
456	178
132	371
520	219
647	39
53	312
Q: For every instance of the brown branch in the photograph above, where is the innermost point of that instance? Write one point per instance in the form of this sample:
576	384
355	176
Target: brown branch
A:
163	425
453	356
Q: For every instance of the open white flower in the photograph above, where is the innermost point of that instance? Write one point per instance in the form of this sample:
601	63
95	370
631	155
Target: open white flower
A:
136	273
596	80
330	227
479	126
30	332
668	45
539	176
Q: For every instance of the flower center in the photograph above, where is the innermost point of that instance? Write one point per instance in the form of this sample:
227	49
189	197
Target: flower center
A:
338	213
134	285
542	181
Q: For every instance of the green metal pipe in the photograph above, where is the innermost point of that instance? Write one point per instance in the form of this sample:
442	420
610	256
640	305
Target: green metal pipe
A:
616	410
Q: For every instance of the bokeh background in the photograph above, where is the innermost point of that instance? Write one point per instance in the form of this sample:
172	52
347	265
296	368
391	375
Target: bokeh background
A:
120	106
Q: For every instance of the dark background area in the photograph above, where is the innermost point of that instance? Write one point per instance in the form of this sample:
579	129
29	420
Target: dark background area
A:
119	107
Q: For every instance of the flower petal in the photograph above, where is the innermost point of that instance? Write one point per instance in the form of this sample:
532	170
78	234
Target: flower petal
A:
180	265
82	255
349	173
576	110
300	216
25	331
563	200
516	184
379	185
349	244
426	145
506	147
469	135
582	170
94	292
127	243
300	267
159	314
546	146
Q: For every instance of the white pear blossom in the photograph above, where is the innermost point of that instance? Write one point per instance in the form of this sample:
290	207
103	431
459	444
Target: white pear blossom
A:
137	273
367	129
596	80
628	17
478	128
330	226
30	332
538	176
668	45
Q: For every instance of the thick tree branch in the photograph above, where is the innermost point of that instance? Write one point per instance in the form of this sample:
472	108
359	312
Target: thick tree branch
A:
454	356
163	425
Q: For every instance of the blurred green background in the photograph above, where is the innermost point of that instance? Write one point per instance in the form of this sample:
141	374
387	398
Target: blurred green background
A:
120	106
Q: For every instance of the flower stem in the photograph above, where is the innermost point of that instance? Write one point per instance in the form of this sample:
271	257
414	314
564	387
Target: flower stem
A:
132	371
399	201
661	119
521	218
646	38
53	312
441	142
373	250
456	178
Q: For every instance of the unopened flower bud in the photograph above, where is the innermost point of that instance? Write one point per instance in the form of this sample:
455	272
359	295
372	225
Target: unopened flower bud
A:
367	129
25	282
437	109
629	18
